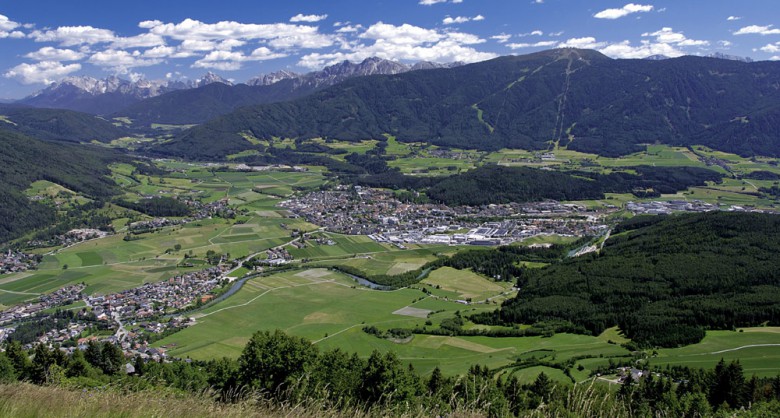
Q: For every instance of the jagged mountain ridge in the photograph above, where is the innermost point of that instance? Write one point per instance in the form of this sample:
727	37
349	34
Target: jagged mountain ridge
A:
572	98
194	106
108	95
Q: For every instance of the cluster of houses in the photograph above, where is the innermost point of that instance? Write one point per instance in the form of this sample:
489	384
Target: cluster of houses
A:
277	256
158	298
200	210
384	218
64	296
15	261
71	237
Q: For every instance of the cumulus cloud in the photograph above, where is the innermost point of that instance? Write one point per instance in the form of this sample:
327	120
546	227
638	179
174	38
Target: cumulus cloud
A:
587	42
43	72
669	36
308	18
758	30
121	61
144	40
298	36
74	35
232	61
48	53
734	18
628	51
623	11
771	48
502	38
7	25
461	19
404	43
541	44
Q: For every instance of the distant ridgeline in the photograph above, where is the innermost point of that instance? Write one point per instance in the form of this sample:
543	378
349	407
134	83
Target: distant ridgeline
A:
575	98
664	280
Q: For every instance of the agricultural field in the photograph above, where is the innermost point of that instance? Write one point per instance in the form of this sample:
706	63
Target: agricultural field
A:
111	264
464	284
757	349
330	309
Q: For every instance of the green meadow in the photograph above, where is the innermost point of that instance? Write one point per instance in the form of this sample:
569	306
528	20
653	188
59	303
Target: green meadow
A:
331	310
757	349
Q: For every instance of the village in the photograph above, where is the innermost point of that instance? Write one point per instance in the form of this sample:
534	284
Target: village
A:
384	218
133	317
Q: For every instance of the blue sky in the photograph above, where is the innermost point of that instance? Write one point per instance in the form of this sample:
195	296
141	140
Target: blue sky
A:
44	41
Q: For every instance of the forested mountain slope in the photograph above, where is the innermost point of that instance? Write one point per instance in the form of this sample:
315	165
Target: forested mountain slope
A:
575	98
81	168
57	124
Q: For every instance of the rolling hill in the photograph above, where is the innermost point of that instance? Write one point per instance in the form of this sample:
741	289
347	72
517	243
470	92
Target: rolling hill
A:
575	98
57	124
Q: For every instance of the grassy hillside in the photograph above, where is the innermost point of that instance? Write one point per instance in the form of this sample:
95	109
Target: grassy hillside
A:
566	97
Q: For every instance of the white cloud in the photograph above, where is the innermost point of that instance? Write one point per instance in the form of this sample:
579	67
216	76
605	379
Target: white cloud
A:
725	44
121	61
144	40
555	34
16	34
283	35
734	18
43	72
758	30
74	35
774	58
308	18
669	36
349	28
7	25
541	44
626	50
461	19
232	61
536	32
404	43
771	48
623	11
48	53
587	42
502	38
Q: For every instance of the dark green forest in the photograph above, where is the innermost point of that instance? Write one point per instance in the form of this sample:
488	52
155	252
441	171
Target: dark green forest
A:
58	124
499	184
611	107
81	168
663	280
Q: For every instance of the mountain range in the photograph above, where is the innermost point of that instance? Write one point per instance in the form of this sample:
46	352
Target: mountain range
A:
183	102
566	97
106	96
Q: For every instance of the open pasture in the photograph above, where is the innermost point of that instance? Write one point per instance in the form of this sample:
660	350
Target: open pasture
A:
757	349
329	309
465	283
